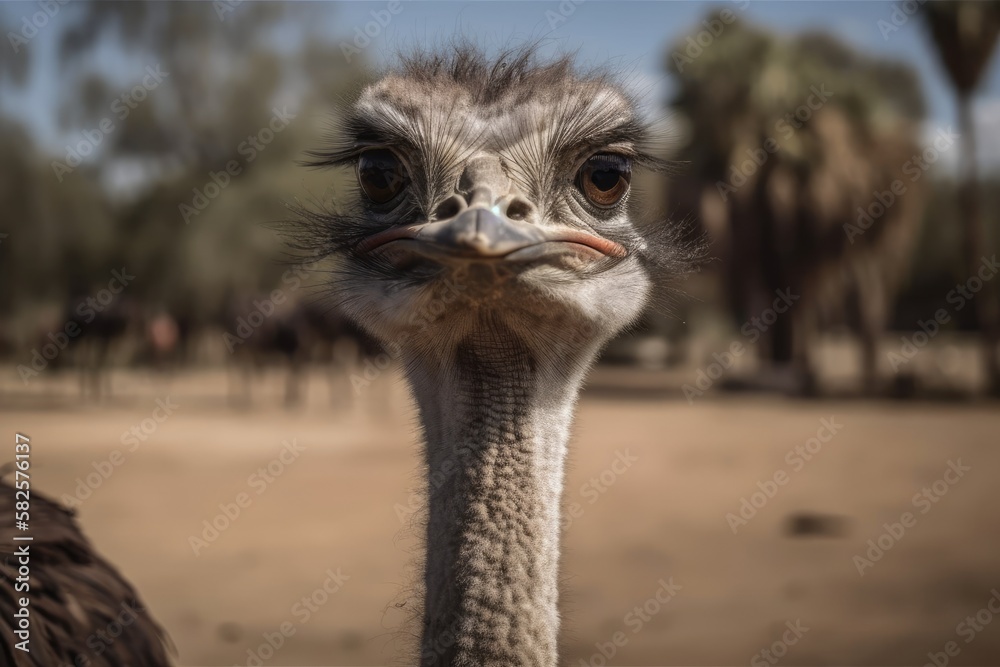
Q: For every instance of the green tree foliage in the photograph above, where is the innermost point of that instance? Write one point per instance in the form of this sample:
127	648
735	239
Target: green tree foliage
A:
200	157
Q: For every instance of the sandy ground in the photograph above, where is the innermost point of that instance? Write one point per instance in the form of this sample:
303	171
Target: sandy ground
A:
334	514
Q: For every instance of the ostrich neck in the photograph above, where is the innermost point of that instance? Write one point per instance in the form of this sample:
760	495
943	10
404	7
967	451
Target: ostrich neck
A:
496	420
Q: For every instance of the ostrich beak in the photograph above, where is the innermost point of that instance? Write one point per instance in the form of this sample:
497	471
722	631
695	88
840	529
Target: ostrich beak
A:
478	233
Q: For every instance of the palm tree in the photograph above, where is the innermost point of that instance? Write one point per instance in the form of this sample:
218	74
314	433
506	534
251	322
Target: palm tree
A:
965	33
787	139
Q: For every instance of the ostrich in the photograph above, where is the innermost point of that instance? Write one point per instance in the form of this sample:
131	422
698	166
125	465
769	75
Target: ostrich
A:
82	612
297	332
492	245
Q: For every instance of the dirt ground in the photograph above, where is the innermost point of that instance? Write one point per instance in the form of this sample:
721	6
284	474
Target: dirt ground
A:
660	567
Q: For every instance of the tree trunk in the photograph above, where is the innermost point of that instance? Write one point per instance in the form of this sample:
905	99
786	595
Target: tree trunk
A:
975	245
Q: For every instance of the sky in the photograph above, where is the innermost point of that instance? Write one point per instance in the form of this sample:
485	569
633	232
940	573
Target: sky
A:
631	35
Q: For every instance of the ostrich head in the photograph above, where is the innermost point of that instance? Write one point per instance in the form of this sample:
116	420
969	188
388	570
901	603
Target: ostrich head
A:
491	193
490	242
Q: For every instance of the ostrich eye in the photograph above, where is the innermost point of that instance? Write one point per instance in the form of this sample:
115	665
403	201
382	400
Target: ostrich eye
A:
604	179
381	175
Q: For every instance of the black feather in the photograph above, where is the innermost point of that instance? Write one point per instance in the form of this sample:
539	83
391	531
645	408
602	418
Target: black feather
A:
77	600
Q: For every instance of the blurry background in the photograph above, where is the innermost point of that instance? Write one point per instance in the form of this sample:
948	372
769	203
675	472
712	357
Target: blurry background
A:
833	366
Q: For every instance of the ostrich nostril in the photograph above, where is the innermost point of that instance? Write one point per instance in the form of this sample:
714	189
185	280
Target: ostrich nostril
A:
449	208
519	209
